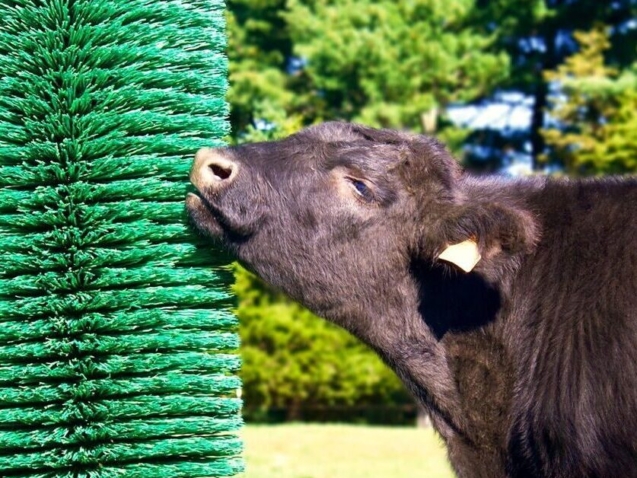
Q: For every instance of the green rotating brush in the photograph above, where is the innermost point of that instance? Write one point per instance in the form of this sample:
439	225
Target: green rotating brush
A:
116	337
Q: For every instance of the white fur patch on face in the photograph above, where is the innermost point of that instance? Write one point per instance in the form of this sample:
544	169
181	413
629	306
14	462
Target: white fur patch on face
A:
464	255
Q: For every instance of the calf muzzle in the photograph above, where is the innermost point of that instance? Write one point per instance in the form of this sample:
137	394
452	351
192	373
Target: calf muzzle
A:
212	170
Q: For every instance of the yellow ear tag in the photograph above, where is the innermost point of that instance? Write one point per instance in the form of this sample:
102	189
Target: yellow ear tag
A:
465	255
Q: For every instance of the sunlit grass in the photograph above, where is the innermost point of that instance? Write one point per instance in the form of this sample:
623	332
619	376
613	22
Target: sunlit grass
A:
343	451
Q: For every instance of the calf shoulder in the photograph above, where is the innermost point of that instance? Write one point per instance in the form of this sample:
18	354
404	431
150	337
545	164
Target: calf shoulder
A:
572	328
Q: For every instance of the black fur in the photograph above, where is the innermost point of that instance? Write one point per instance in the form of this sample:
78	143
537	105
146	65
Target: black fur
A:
528	364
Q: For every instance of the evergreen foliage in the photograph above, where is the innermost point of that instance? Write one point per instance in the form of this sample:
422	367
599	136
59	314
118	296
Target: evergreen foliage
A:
537	36
596	111
116	340
384	63
292	359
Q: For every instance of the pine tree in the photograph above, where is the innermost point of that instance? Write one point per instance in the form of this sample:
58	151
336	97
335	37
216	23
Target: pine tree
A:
596	111
381	62
386	63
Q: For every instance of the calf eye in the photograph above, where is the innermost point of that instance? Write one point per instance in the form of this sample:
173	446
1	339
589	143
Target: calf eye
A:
361	189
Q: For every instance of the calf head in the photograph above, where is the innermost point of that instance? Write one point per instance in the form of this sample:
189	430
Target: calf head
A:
337	215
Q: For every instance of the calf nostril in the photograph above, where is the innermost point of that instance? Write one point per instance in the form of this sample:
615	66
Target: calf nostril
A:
212	169
221	172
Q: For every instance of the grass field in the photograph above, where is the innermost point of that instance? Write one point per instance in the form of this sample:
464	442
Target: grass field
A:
343	451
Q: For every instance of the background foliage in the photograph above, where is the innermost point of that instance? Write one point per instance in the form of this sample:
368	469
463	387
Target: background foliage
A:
294	360
404	64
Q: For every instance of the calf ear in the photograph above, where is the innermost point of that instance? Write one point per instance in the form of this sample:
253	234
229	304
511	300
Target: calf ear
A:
469	234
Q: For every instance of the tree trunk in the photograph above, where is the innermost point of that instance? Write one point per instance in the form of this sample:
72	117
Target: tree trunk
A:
548	61
537	121
429	121
293	413
422	418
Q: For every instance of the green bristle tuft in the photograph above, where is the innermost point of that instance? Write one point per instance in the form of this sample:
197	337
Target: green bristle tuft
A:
117	344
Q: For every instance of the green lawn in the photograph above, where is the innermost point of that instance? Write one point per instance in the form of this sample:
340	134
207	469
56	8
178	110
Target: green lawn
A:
343	451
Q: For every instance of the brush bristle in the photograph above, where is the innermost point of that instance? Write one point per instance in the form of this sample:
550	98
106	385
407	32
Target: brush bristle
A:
117	344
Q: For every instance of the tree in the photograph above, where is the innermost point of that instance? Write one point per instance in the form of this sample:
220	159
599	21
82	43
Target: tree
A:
381	62
293	359
537	36
596	110
259	48
386	63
